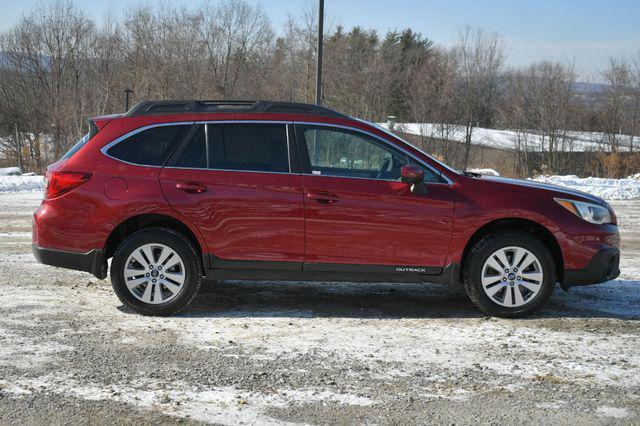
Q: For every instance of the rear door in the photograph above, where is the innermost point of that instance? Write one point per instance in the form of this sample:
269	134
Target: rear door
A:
235	183
359	213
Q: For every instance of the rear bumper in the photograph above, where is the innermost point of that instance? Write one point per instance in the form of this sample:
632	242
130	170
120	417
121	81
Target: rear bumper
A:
603	266
92	261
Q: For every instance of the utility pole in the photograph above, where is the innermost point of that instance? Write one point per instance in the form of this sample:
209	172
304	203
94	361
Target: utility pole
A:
127	92
18	147
320	43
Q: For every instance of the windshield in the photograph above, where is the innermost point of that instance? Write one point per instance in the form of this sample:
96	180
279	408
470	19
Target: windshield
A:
435	160
76	147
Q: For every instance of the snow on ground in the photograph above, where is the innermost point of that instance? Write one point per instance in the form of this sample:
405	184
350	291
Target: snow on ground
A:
273	352
609	189
21	183
508	139
10	171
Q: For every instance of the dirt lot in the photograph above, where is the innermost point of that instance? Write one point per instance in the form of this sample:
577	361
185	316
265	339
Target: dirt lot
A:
261	352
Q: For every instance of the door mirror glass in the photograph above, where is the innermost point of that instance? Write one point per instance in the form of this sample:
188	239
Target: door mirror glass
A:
412	174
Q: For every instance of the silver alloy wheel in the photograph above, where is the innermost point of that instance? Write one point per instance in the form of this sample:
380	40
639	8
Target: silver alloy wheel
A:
512	276
154	273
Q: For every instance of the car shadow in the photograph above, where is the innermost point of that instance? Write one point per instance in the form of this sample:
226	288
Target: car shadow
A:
256	299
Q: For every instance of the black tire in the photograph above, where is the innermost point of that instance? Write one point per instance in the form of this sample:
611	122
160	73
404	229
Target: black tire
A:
175	241
472	273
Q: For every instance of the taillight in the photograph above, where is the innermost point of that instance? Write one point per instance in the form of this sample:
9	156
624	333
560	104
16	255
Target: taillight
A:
59	183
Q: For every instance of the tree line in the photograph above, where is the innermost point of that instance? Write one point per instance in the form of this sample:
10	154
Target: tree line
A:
58	67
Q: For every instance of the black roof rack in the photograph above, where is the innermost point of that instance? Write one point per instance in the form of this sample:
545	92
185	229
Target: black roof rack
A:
192	106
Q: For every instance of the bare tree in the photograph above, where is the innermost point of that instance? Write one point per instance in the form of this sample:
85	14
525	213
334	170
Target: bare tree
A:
617	100
479	57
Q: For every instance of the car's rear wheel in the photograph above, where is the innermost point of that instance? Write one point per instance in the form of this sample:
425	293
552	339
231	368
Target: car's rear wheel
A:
510	274
156	272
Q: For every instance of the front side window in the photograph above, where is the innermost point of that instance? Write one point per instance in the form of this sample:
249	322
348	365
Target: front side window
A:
337	152
258	147
149	147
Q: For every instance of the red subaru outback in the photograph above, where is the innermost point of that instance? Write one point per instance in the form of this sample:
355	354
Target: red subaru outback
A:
178	192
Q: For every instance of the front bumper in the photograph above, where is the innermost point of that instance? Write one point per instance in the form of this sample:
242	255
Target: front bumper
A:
603	266
92	261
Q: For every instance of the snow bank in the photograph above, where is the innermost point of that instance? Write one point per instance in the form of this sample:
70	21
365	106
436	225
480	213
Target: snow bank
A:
509	139
609	189
10	171
21	183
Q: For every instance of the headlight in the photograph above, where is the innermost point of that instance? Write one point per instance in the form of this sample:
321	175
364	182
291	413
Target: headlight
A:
594	213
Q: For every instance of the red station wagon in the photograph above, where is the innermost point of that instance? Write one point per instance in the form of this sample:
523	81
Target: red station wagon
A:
176	192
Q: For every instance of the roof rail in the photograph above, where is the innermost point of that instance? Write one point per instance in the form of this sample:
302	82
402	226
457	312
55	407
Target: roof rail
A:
193	106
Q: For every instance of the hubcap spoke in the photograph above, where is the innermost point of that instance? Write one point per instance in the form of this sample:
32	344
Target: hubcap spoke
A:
157	294
502	257
171	287
518	256
519	301
533	276
158	280
148	252
491	291
164	255
137	255
178	277
131	284
530	286
488	280
494	264
146	296
508	298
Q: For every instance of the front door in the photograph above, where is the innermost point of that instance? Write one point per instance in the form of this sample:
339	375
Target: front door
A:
357	210
234	182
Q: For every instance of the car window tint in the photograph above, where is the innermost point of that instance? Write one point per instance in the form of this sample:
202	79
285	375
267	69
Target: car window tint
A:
336	152
150	147
255	147
194	154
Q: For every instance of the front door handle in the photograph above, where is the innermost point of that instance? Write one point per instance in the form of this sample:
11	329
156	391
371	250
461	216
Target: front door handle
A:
191	187
323	197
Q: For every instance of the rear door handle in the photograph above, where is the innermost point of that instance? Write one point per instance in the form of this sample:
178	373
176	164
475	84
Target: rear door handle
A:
323	197
191	187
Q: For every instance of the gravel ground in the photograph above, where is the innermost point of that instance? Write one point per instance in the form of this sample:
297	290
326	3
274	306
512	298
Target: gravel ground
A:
275	353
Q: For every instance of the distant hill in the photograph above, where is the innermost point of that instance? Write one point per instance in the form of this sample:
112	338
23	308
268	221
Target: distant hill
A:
584	88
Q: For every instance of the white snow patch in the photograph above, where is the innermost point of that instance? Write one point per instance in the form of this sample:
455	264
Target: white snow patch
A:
219	405
509	139
609	189
10	171
613	412
21	183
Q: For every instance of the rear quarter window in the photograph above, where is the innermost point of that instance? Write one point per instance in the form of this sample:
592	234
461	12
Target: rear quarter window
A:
150	147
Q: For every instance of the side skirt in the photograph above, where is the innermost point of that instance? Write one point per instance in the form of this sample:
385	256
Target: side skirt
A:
219	269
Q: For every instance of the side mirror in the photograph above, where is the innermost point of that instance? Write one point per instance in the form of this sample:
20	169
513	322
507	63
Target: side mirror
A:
414	176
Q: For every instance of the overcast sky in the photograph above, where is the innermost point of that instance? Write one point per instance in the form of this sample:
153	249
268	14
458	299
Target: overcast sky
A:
586	32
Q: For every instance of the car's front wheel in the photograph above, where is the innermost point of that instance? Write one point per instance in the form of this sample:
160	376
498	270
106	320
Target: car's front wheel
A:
509	274
155	271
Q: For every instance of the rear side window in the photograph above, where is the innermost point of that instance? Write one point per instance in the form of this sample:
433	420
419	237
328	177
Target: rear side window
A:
149	147
254	147
194	154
